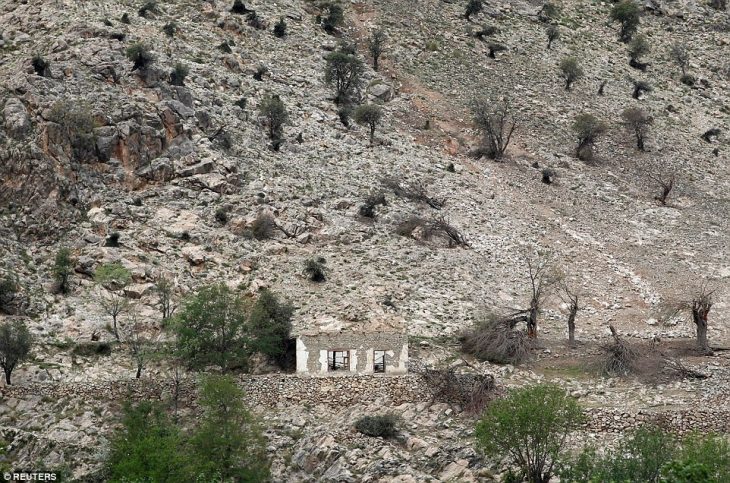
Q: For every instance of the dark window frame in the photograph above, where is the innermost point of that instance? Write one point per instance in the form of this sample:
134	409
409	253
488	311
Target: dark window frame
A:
332	360
382	364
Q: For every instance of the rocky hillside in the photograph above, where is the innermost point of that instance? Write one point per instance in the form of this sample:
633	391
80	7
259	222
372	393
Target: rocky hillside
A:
94	153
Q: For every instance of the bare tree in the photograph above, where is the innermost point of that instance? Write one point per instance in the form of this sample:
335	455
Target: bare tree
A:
680	56
666	182
570	297
496	124
165	289
542	281
413	190
700	308
637	121
139	343
114	303
659	176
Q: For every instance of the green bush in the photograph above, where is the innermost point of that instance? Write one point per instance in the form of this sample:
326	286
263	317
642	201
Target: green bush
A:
383	426
280	28
344	71
627	13
369	115
270	324
275	115
15	345
334	18
141	56
178	74
148	7
588	129
571	71
473	8
62	269
315	269
530	427
89	349
78	125
170	29
41	66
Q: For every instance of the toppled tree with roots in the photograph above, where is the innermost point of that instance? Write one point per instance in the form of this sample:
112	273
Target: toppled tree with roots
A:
495	339
414	191
471	391
436	227
496	124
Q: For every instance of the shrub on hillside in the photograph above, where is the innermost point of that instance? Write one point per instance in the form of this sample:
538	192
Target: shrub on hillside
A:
77	124
344	71
588	129
571	71
274	113
178	74
627	13
383	426
369	115
140	55
41	66
280	28
315	269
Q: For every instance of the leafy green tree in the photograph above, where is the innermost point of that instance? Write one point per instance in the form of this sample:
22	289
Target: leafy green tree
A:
473	8
148	448
369	115
15	345
376	43
531	426
114	278
228	444
335	17
211	329
270	324
553	34
638	48
274	112
588	129
62	269
701	454
627	13
8	292
571	71
344	71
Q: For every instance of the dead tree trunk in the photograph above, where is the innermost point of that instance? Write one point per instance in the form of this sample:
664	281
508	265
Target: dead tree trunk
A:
571	323
701	306
532	321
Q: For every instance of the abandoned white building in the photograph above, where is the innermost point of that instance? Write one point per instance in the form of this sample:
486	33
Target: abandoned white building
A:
334	348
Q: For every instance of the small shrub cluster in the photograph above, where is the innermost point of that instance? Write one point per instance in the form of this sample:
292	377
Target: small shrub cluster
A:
332	17
274	114
383	426
41	66
140	55
178	74
495	339
78	125
262	228
315	270
367	209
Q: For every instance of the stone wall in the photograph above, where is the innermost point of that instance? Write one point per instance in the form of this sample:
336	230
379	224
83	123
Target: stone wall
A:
283	390
312	351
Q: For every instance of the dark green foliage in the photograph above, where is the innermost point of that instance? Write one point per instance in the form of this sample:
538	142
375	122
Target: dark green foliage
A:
494	48
125	18
178	74
367	209
344	113
640	87
376	43
225	48
90	349
530	426
549	12
148	7
211	329
228	442
649	454
260	73
571	71
344	71
41	66
315	269
274	113
253	20
688	80
221	215
588	129
638	47
120	36
473	8
369	115
280	28
335	17
113	240
384	426
107	22
62	269
718	4
242	103
15	345
147	448
553	34
263	226
170	29
8	292
270	322
239	8
140	55
547	175
78	125
627	13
